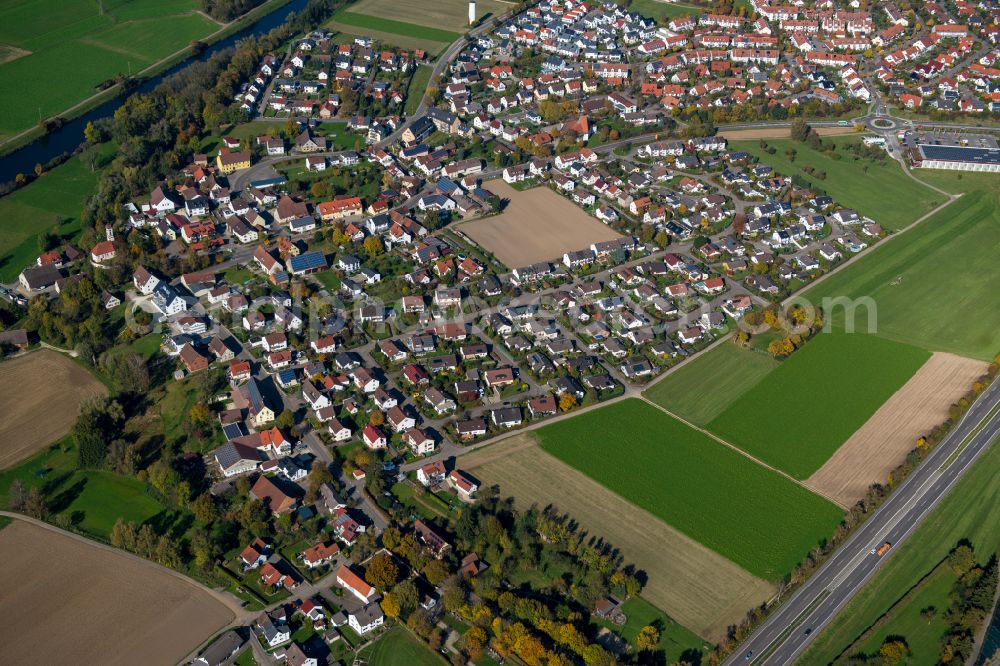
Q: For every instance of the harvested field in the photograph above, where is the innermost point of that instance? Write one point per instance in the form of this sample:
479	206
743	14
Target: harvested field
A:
697	587
106	608
32	385
536	225
779	132
885	439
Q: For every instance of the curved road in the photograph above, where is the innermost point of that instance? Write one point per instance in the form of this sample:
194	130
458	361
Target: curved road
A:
789	630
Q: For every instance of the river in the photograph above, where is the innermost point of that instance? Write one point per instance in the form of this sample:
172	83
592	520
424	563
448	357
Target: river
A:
70	135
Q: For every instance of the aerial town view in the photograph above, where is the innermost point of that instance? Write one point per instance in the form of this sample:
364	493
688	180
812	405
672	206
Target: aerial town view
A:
489	332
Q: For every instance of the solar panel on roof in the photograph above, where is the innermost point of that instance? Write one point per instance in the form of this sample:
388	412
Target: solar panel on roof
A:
233	430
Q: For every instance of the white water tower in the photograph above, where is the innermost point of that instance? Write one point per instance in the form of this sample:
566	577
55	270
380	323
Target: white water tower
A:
472	12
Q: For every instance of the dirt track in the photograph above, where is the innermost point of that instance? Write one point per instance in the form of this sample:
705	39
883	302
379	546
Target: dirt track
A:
40	397
537	225
884	440
67	602
695	586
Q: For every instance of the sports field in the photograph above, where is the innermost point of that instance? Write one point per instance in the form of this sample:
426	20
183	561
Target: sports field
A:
536	225
697	587
110	608
77	47
31	386
741	510
798	416
442	15
934	287
53	201
883	193
703	388
346	34
971	511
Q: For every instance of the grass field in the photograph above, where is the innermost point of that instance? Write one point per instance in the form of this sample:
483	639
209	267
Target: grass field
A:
694	585
53	201
703	388
398	646
751	515
101	498
663	12
928	283
884	193
415	91
345	34
74	49
366	22
798	416
442	15
971	511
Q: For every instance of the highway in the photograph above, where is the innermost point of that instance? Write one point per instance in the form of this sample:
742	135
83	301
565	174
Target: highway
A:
789	630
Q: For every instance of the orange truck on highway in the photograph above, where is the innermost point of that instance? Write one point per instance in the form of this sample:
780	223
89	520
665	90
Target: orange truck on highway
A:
882	550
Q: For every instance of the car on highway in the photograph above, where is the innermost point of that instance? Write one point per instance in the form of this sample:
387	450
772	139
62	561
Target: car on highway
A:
747	656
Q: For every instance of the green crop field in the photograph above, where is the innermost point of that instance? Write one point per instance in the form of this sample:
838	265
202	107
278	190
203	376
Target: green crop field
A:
395	27
53	201
73	49
884	193
971	512
450	15
745	512
934	286
398	646
805	409
702	389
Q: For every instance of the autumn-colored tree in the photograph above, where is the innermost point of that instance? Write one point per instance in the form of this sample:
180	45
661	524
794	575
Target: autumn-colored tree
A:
475	640
199	415
382	571
376	418
893	652
435	572
647	639
390	606
567	401
373	246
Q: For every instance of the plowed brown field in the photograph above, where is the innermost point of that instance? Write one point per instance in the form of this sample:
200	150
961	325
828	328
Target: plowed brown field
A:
878	446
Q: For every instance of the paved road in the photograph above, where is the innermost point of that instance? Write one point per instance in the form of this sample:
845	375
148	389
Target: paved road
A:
783	636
